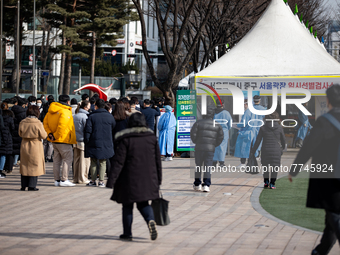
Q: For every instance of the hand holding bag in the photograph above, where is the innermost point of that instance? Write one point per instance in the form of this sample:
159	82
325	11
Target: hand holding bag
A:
160	208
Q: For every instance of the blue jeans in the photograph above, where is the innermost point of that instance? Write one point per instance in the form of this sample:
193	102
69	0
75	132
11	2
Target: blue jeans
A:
145	210
2	161
206	158
16	157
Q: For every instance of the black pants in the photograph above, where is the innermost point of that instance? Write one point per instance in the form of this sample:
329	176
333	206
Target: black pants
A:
9	163
273	176
330	234
143	207
243	160
29	181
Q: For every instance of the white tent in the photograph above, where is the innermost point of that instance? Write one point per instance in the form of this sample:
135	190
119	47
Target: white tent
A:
278	52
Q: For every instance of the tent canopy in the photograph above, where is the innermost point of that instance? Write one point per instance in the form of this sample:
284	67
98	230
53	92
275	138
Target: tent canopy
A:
279	50
277	45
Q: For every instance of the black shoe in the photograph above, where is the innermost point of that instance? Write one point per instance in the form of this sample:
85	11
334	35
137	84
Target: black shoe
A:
32	189
23	189
2	175
125	237
152	230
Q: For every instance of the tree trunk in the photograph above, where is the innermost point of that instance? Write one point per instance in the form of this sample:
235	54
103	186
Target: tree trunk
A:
68	72
15	67
62	66
93	59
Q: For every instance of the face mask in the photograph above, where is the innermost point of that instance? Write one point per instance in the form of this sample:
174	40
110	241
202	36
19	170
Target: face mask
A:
39	104
32	103
110	111
137	105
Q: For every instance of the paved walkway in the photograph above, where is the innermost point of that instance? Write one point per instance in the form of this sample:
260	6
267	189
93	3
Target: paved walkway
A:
82	220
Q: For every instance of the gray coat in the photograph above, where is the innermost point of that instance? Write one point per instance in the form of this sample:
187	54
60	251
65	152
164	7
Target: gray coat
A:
79	123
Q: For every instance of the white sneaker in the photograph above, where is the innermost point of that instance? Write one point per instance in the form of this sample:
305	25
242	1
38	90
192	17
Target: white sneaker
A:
206	188
241	166
197	188
166	159
57	184
66	183
170	158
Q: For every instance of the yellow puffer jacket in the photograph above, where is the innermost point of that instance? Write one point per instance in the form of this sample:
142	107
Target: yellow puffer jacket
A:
59	122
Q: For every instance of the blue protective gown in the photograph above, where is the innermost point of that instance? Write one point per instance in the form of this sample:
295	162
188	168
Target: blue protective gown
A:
167	128
303	126
248	134
221	150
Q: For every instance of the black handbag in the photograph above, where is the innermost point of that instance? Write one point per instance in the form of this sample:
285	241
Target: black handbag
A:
160	208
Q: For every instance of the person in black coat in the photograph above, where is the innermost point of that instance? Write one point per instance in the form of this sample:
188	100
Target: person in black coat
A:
98	140
136	173
6	147
2	157
207	135
150	113
273	143
19	114
322	144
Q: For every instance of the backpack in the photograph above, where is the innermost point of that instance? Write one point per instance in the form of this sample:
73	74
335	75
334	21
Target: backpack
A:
336	124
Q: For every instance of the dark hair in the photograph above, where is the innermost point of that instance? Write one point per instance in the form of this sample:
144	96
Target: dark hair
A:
84	97
39	99
135	99
21	101
113	101
4	106
64	98
124	100
50	98
137	120
33	110
31	99
119	112
132	102
96	96
272	116
333	95
92	100
108	106
100	103
147	101
84	104
127	106
14	100
41	96
74	101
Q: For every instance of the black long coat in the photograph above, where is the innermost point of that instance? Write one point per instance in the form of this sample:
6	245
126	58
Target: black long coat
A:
136	170
19	115
6	147
322	145
98	134
273	140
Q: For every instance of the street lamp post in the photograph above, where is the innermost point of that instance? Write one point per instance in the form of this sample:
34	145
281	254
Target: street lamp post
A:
34	84
18	46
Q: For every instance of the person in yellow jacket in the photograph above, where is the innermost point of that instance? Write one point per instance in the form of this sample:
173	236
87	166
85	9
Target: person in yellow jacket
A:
59	126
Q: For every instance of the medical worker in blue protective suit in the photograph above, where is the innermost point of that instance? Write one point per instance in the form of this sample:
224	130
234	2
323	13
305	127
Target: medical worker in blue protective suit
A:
167	128
247	134
222	117
303	128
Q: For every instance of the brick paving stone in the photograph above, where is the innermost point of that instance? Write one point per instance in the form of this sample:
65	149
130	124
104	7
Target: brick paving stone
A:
82	220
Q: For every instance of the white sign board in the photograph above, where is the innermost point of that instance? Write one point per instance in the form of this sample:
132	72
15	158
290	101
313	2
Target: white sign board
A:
320	106
9	51
317	85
